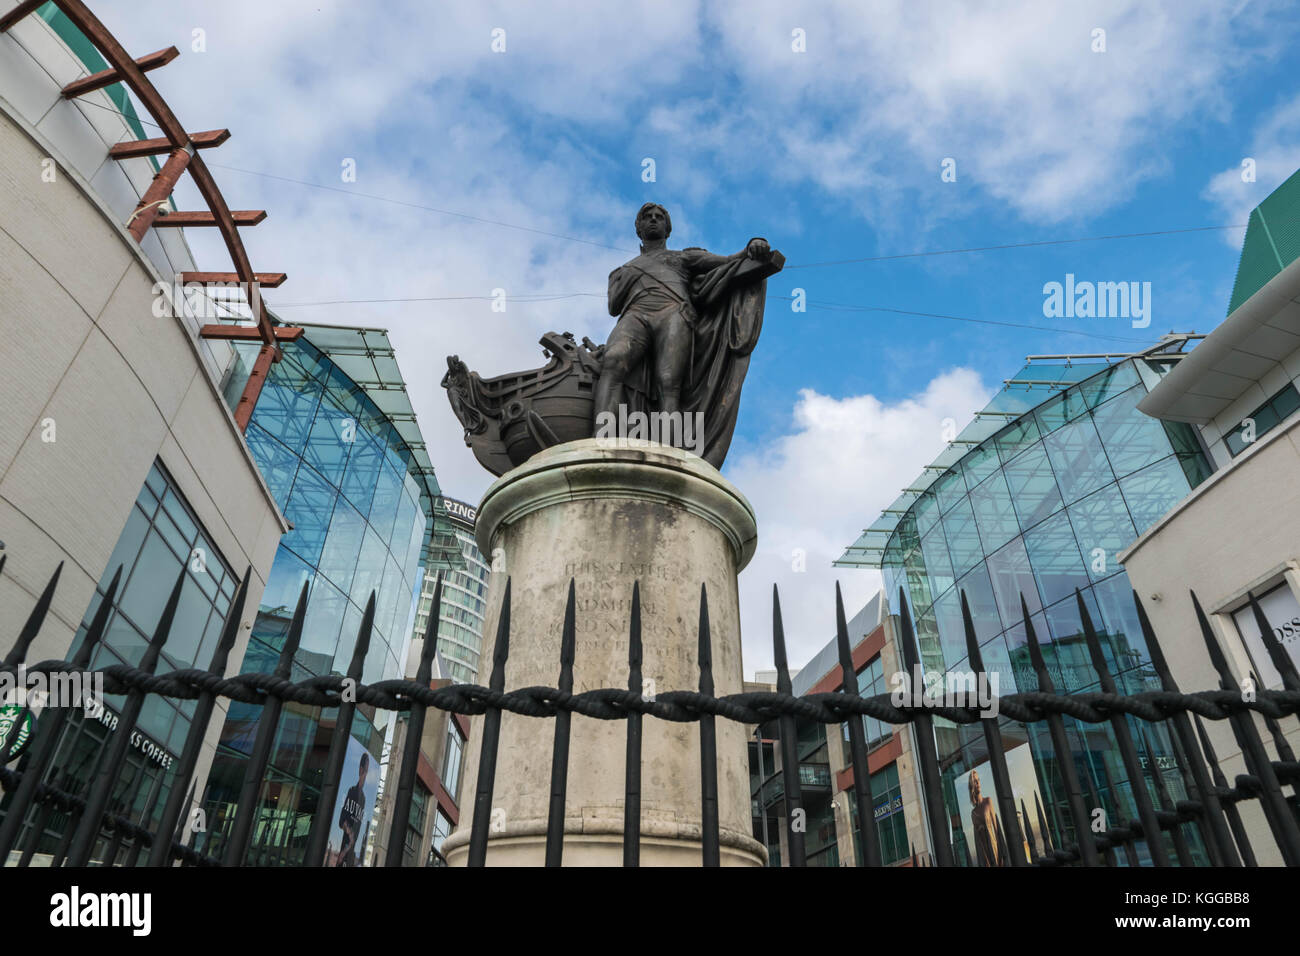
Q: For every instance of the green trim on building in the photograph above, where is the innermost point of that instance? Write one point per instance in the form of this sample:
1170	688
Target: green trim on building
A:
1272	241
91	58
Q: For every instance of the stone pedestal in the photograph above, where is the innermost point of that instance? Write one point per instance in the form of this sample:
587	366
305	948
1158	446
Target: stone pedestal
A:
607	517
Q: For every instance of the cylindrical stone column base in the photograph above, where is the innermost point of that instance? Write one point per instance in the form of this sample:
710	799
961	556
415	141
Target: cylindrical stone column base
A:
607	517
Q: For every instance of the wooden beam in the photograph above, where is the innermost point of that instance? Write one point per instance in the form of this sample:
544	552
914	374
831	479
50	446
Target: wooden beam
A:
154	147
136	80
238	217
18	13
253	388
284	333
268	280
150	205
97	81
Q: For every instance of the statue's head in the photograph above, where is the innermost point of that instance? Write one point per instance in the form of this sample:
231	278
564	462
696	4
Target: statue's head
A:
973	785
457	373
653	222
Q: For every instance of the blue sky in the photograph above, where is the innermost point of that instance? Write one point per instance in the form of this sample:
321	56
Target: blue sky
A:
834	152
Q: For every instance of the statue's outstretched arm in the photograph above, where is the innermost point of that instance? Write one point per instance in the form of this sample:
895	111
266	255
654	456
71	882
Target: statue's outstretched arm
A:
701	260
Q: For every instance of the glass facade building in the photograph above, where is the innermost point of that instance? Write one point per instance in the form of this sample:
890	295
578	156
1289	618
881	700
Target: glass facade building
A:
161	542
1056	476
464	599
767	793
361	503
891	826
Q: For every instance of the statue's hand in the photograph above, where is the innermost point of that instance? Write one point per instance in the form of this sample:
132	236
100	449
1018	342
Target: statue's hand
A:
759	249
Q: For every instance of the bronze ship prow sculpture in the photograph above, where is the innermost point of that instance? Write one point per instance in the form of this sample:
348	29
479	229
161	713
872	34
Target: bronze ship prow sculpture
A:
510	418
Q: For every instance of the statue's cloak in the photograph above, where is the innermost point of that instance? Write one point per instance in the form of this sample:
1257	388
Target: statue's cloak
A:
728	302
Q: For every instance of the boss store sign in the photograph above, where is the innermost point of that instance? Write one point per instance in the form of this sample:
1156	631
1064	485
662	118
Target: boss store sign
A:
1283	612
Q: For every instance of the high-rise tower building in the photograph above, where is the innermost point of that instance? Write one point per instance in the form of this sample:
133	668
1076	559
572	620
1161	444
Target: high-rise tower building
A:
464	598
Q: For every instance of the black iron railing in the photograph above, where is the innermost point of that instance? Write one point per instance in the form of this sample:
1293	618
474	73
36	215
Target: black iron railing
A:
37	789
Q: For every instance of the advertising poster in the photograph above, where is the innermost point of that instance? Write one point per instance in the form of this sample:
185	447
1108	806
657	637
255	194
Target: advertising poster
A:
983	829
355	808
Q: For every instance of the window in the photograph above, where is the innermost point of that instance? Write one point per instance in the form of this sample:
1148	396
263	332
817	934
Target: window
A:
1054	556
441	830
979	464
995	518
1151	492
1102	529
890	821
1033	487
161	537
420	798
1012	578
1133	440
451	758
963	538
1277	408
871	682
1078	460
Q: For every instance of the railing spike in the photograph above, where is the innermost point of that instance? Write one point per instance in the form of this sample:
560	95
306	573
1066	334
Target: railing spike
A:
1215	830
710	848
1277	812
174	809
923	740
1123	738
1230	810
867	835
993	741
1029	831
1043	828
319	829
250	792
1095	800
1276	652
1181	849
632	764
414	734
18	653
100	789
49	730
563	724
1061	747
789	740
487	764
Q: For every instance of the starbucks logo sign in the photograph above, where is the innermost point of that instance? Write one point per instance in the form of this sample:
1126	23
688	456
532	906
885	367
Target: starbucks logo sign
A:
15	729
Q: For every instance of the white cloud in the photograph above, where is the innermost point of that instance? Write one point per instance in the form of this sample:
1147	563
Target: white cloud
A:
1036	120
1275	149
815	487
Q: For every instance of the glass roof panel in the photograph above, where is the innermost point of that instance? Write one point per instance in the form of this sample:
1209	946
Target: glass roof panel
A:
1050	377
367	357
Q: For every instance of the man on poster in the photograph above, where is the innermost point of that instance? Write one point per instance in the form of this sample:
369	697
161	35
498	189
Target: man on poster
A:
353	809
